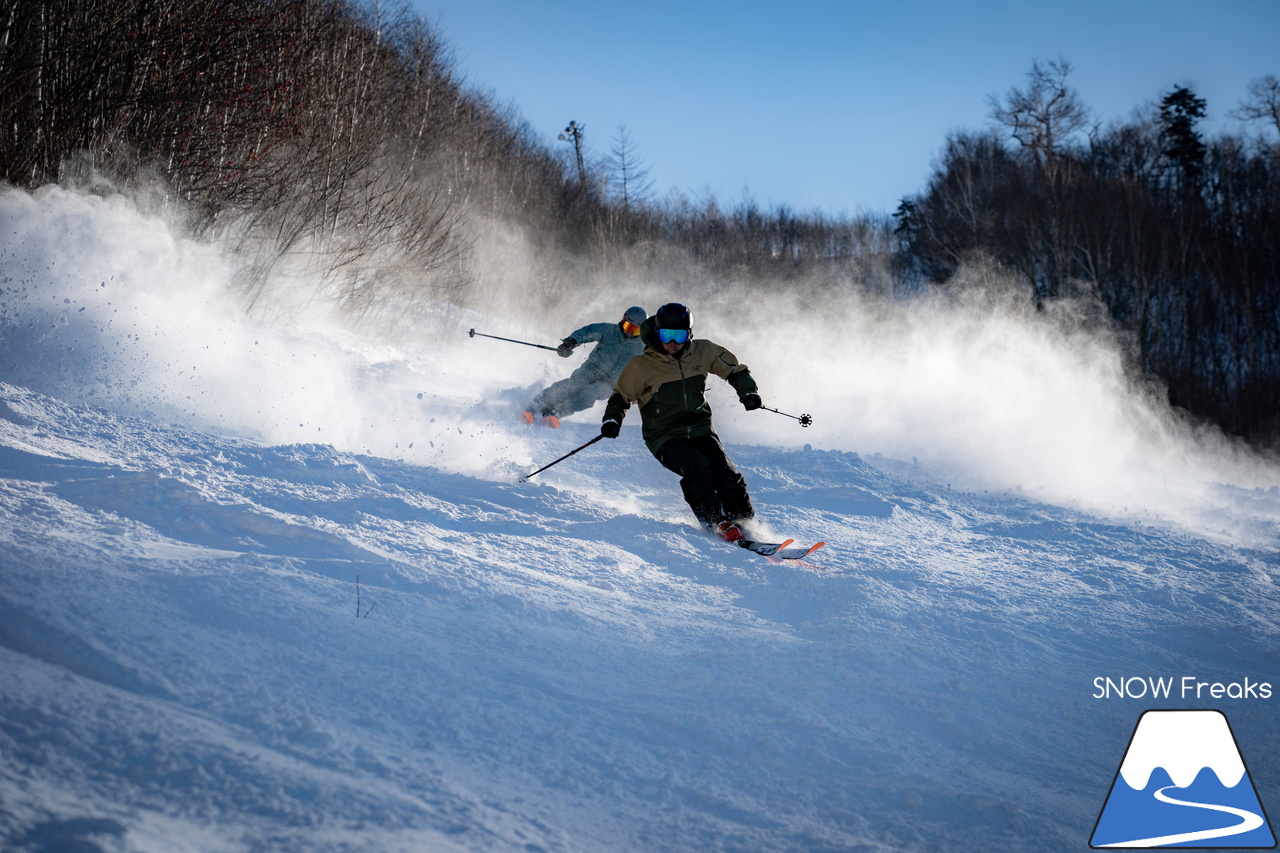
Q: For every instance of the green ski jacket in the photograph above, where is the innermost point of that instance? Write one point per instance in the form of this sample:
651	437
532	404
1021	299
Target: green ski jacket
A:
671	390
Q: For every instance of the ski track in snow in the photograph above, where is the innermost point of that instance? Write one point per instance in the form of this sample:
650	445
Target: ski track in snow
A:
567	665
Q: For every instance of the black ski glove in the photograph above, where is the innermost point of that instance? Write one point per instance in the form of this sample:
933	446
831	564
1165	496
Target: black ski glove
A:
566	347
751	401
610	429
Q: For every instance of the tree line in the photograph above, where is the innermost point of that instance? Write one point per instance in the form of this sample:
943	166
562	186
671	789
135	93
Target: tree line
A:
334	130
314	130
338	135
1177	234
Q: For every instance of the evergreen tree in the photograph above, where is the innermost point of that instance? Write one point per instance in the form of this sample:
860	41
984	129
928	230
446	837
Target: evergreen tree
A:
1179	112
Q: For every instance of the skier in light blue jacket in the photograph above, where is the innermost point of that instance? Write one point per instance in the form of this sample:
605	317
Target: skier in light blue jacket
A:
615	344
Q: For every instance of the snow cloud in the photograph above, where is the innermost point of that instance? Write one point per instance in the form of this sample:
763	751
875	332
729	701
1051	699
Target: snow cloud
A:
108	304
982	390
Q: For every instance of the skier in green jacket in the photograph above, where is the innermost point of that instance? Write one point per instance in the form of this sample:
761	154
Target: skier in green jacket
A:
668	381
593	380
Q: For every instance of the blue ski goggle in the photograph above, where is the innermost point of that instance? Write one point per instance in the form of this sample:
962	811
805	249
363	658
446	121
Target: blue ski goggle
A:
677	336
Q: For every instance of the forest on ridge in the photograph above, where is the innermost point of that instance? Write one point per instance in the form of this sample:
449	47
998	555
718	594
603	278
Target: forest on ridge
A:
341	135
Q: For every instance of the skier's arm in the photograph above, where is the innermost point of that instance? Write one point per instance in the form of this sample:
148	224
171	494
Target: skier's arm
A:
627	389
590	333
614	411
748	394
726	365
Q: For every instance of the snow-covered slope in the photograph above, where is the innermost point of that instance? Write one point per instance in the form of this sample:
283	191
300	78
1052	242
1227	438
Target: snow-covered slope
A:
250	605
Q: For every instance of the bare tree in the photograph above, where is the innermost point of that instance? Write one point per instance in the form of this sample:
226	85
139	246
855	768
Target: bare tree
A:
627	171
1262	103
1045	114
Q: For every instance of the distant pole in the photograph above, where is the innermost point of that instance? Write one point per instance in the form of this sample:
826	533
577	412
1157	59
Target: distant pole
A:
573	133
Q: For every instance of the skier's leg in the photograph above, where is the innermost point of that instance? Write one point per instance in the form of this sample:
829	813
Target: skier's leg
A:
680	456
730	487
583	397
550	400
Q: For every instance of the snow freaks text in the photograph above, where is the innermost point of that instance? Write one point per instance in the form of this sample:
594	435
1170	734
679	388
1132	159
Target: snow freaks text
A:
1186	687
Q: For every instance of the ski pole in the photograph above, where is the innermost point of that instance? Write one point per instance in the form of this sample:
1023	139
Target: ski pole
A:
473	333
805	420
562	458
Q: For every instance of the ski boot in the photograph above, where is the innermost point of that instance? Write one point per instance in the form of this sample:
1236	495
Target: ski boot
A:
729	532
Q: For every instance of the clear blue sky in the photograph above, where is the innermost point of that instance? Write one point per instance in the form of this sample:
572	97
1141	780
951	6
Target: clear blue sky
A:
838	106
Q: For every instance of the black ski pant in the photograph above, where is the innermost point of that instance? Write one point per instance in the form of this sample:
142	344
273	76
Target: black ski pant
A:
712	487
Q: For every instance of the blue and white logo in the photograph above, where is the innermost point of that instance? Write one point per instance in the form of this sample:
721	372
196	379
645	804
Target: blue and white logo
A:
1182	783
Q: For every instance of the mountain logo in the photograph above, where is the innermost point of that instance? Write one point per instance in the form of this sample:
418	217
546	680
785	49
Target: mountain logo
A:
1182	783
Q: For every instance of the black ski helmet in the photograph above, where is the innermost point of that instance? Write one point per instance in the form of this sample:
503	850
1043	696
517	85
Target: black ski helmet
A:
673	315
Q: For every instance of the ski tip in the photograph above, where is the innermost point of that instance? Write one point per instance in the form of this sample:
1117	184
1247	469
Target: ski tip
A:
796	554
812	548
